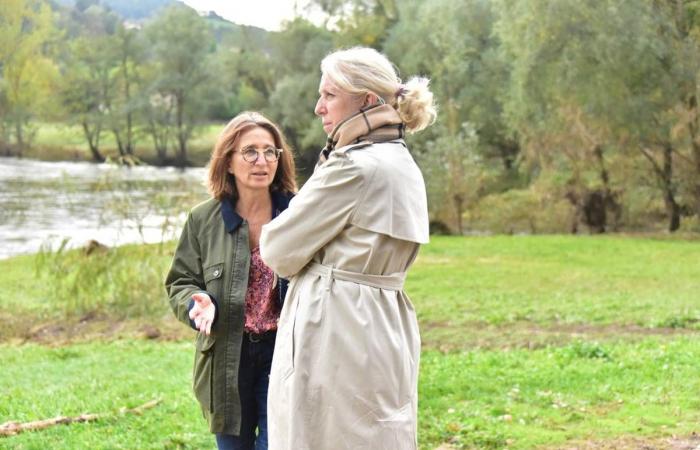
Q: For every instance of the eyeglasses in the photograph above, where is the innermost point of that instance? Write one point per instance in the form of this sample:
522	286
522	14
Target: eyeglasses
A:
251	154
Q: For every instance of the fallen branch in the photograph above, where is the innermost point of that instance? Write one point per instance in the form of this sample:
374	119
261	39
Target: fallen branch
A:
12	428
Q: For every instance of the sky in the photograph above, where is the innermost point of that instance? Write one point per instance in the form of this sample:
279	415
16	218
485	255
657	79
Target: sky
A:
267	14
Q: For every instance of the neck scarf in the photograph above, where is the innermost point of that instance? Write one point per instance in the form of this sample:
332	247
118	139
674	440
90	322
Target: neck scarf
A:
378	123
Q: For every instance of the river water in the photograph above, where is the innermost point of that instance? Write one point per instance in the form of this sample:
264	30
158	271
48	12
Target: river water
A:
43	204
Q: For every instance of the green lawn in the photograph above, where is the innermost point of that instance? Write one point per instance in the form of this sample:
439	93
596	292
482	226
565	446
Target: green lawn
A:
528	342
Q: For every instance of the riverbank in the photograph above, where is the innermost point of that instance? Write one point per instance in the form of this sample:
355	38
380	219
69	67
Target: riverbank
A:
528	341
64	142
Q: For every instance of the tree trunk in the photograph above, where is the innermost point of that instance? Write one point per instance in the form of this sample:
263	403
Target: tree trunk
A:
695	147
118	139
129	145
610	202
160	142
459	209
508	151
181	137
93	138
19	136
129	133
673	209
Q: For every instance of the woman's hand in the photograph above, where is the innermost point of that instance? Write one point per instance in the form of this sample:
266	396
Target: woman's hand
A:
203	312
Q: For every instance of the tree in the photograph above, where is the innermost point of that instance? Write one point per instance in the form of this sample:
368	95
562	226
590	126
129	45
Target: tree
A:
26	70
468	77
181	45
453	174
86	87
128	51
297	52
359	22
461	56
591	79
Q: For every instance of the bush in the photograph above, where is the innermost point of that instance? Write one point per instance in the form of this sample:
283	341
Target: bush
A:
520	211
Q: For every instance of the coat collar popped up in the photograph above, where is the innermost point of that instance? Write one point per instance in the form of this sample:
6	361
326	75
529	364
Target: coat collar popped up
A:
376	123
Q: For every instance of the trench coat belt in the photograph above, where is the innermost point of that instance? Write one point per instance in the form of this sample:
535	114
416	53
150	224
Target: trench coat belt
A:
393	282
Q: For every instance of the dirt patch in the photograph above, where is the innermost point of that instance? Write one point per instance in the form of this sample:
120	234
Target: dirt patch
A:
98	327
691	442
446	336
443	336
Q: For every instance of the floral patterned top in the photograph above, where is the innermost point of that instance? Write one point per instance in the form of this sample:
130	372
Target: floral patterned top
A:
261	310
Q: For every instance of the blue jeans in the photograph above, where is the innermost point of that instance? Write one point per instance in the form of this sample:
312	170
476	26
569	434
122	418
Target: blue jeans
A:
253	379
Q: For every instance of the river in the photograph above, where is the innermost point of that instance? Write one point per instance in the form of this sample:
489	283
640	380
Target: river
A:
43	204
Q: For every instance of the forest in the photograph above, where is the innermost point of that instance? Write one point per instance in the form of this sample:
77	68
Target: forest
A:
554	117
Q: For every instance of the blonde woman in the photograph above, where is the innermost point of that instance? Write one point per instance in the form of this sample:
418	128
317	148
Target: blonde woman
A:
346	359
219	285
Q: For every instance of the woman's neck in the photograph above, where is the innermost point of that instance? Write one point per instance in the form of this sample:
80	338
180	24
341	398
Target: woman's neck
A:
252	204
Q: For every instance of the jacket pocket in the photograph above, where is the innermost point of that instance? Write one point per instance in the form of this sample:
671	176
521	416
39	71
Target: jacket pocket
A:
213	279
203	373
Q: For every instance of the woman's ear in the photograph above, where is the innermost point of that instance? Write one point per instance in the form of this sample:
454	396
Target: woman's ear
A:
370	99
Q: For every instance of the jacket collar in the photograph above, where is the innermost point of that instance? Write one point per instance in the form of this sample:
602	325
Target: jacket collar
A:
376	123
232	220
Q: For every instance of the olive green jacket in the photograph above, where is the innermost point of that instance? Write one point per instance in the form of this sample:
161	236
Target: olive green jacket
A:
213	256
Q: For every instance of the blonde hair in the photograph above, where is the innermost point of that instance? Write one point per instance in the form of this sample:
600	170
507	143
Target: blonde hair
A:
221	184
363	70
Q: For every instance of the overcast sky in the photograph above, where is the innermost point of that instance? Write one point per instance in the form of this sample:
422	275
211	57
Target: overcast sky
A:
267	14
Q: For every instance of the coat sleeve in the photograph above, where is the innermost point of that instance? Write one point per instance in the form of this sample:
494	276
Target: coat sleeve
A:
185	276
318	213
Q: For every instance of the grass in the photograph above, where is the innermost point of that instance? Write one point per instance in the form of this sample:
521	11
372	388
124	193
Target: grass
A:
102	377
529	342
524	399
478	399
469	289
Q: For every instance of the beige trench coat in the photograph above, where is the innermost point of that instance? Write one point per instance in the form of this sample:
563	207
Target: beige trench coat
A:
345	370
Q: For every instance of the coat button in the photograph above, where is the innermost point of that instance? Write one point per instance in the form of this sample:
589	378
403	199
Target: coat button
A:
216	273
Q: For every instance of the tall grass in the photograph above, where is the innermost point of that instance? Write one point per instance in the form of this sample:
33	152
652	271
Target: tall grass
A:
121	282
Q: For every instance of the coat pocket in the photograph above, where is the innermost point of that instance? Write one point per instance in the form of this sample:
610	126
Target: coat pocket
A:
285	344
203	373
213	279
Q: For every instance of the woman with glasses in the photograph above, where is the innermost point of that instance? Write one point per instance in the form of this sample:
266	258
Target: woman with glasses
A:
345	371
219	285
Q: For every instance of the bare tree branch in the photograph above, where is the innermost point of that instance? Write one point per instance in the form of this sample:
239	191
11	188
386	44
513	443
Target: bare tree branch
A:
13	428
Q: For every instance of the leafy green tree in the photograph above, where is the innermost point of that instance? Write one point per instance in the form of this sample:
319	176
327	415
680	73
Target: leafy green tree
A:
86	87
247	76
296	56
591	81
455	46
181	45
359	22
26	70
127	48
679	28
461	57
453	173
99	65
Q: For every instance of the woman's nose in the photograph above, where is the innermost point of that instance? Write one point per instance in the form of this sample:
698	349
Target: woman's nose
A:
319	109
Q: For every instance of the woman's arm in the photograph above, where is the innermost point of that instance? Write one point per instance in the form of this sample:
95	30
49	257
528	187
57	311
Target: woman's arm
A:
318	213
185	276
